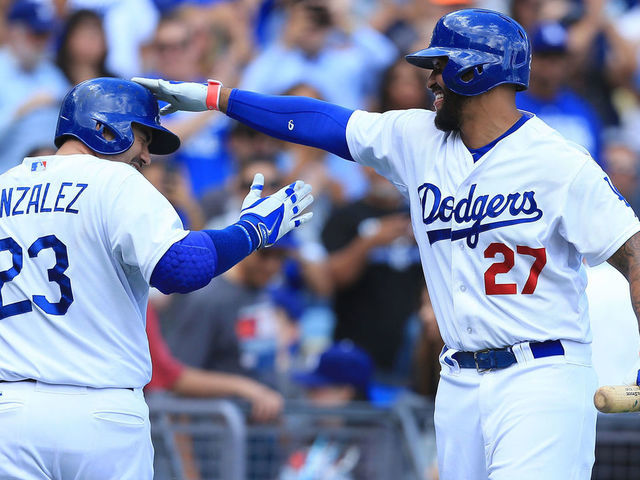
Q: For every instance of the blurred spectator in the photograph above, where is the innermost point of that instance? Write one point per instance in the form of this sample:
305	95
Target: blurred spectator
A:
629	106
374	263
128	25
203	154
170	374
622	166
320	47
222	37
405	22
225	203
403	86
82	48
32	86
233	325
601	58
549	96
171	181
527	13
343	373
304	262
426	367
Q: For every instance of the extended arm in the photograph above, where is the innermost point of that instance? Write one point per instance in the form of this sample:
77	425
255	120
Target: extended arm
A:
192	262
295	119
627	261
266	404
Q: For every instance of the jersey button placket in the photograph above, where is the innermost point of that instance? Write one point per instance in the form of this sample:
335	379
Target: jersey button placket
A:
459	289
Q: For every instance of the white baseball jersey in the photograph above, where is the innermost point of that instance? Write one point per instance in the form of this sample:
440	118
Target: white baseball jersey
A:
79	239
501	240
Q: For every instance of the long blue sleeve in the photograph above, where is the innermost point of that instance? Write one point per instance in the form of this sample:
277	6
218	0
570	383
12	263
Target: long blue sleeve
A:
295	119
192	262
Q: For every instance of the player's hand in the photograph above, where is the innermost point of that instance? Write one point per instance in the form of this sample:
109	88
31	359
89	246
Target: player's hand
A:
633	376
187	96
277	214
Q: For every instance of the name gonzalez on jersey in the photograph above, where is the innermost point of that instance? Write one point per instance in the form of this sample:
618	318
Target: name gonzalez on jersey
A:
508	210
37	199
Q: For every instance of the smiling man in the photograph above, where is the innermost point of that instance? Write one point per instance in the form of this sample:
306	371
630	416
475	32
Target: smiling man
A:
83	235
504	211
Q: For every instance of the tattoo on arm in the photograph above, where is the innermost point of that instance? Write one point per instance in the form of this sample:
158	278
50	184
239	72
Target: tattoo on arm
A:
627	261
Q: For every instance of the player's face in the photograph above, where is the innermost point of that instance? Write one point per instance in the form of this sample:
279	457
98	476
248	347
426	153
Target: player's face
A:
138	155
448	104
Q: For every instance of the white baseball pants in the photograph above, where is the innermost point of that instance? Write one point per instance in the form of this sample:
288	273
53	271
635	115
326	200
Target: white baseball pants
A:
62	432
533	420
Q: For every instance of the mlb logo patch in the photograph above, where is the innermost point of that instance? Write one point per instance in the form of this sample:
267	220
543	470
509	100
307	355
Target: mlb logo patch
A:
38	166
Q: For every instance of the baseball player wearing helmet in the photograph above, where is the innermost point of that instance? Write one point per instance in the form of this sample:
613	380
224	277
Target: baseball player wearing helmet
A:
82	236
504	210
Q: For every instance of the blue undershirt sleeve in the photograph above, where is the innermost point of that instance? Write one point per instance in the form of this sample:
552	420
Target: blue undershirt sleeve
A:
192	262
295	119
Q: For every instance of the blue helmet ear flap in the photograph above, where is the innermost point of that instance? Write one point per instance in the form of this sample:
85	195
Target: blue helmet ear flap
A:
101	108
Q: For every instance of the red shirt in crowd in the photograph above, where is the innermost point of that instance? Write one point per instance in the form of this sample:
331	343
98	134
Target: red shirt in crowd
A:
165	368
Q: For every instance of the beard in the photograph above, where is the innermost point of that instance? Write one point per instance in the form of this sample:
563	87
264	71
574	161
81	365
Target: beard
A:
449	116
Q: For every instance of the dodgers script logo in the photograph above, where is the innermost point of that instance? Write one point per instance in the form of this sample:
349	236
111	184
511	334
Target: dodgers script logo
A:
485	213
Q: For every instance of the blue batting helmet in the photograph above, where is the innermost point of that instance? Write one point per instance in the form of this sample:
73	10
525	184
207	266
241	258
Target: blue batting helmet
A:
114	104
491	45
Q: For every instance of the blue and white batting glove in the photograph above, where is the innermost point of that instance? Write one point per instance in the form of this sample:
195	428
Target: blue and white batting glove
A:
273	216
187	96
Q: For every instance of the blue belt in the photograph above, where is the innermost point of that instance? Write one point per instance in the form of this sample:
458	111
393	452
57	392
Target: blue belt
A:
494	358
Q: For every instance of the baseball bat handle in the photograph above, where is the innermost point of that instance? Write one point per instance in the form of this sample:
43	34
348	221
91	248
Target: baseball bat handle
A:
617	399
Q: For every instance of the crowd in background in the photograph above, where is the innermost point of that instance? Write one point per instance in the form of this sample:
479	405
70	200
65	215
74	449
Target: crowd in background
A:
348	284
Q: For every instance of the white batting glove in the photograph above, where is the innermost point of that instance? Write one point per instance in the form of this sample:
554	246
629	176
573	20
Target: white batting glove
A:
187	96
273	216
633	376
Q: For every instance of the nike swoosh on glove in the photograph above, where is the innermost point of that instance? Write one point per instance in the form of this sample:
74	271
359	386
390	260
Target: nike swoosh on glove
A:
275	215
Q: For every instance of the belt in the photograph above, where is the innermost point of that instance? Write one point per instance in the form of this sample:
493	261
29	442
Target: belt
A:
32	380
495	358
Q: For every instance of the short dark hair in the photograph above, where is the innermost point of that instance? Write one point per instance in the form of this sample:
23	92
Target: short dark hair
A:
317	10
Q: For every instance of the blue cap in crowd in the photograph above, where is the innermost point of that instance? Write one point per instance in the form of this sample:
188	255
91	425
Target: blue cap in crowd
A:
549	37
341	364
37	15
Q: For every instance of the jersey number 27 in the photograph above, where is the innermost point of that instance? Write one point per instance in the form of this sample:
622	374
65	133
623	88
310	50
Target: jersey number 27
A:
493	288
55	275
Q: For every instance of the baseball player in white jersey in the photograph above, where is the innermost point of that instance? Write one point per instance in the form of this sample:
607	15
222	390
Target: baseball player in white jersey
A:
82	236
504	210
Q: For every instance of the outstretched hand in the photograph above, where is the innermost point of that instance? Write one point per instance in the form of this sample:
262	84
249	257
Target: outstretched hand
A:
273	216
186	96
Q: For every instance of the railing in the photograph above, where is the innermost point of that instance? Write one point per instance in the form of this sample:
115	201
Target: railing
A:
212	440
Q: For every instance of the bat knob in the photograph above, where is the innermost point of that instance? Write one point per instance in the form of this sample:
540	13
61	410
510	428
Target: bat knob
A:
600	400
617	399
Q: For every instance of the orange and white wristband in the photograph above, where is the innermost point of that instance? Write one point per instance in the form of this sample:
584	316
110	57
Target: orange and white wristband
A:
213	94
